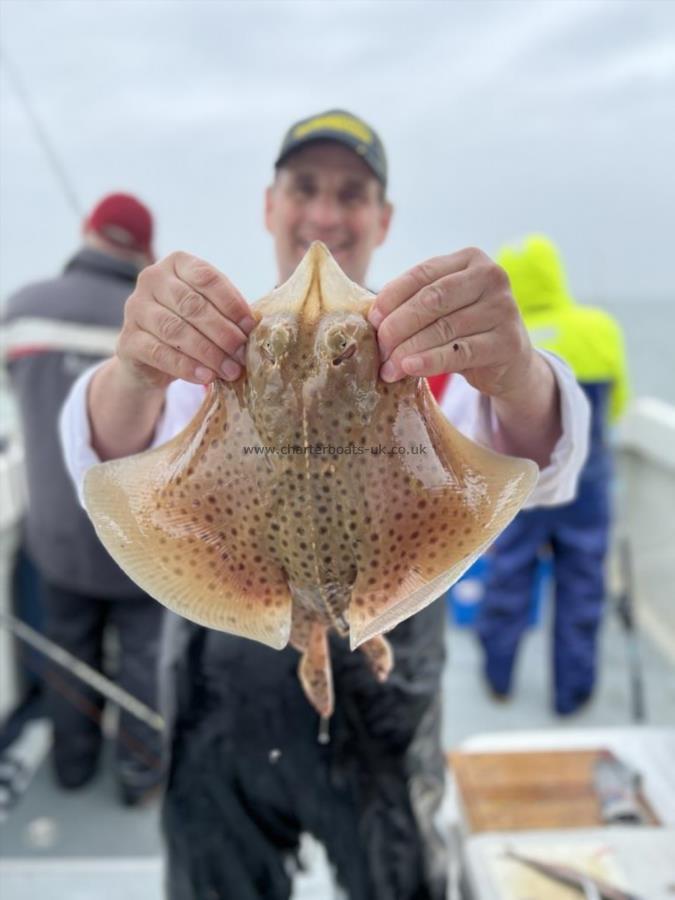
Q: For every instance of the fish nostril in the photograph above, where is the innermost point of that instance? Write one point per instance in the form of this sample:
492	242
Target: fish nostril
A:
346	354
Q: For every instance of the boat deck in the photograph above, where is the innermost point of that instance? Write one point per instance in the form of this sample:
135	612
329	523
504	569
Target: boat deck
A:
81	845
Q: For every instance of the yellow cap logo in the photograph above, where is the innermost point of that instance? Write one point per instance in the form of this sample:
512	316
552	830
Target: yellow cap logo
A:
335	122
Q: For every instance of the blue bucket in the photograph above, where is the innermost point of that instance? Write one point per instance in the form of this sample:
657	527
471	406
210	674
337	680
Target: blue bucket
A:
465	596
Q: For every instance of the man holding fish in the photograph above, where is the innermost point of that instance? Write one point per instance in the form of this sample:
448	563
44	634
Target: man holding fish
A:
248	775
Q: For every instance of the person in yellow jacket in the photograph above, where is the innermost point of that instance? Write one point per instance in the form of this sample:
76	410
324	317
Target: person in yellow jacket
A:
591	342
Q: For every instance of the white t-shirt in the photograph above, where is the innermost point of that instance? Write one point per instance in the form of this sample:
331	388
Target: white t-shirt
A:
463	406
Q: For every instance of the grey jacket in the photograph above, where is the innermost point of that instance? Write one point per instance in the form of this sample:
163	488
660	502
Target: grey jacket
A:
59	537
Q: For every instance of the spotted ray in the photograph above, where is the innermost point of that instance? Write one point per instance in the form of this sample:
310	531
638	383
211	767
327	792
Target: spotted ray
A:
308	495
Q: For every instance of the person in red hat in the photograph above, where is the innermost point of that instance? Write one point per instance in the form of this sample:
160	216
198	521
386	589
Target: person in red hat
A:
121	226
54	330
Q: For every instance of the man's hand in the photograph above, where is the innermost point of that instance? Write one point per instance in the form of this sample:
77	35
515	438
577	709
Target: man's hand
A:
456	314
453	314
183	320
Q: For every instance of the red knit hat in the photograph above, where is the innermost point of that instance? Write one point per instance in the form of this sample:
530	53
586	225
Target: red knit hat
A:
124	221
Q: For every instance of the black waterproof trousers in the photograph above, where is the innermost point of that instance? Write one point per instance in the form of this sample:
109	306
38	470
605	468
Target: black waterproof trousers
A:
248	774
77	622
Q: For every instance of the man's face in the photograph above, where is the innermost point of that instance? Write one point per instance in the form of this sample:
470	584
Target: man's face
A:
325	192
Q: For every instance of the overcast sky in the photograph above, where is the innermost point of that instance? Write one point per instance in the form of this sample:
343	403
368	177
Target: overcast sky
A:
499	118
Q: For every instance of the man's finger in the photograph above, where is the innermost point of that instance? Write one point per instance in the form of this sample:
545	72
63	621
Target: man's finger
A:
143	349
468	320
433	302
407	285
472	352
181	334
206	280
176	300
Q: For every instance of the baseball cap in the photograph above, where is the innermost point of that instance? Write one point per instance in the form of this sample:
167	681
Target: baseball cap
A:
124	221
344	128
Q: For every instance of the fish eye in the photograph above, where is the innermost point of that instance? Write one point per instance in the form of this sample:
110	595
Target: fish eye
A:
347	353
277	342
339	340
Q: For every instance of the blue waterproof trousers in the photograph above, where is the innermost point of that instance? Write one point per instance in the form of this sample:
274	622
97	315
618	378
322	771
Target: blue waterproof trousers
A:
577	534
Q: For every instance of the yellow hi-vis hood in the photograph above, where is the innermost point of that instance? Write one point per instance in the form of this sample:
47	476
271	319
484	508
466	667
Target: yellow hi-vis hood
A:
536	274
588	339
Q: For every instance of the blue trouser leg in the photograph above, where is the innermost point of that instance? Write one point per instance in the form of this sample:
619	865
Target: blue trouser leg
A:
579	549
503	615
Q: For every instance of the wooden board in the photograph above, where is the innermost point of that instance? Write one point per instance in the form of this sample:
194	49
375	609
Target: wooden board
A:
517	791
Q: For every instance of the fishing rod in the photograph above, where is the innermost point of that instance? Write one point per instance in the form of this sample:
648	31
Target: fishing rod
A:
55	163
84	672
625	607
16	771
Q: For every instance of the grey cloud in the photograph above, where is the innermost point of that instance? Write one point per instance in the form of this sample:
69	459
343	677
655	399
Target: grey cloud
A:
499	118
